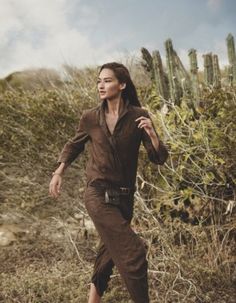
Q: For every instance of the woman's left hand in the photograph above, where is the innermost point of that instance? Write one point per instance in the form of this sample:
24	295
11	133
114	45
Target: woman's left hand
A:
146	123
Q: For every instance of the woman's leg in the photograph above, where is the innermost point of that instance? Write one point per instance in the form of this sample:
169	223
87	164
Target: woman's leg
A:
104	264
93	295
125	247
102	269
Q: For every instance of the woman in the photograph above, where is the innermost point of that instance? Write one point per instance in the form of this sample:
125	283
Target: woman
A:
114	130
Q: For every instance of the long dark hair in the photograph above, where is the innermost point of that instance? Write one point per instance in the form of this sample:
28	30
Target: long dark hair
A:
122	74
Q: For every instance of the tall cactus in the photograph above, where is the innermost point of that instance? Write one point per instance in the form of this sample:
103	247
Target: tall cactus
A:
194	73
160	76
174	85
148	61
232	59
176	81
216	72
183	76
208	69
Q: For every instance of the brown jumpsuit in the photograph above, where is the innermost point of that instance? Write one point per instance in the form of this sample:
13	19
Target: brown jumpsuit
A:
119	244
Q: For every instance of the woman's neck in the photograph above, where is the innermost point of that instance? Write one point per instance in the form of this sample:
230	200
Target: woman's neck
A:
114	106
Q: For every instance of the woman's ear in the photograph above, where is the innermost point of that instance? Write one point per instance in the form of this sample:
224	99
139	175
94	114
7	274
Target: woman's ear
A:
123	86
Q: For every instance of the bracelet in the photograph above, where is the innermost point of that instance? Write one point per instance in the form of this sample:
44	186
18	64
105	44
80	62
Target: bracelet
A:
56	174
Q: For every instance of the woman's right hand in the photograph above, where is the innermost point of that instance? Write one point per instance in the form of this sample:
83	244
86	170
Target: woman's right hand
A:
55	185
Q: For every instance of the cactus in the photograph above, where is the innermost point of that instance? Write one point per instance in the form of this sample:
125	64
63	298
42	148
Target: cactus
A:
216	72
183	76
194	73
208	69
176	81
174	85
232	59
148	61
160	76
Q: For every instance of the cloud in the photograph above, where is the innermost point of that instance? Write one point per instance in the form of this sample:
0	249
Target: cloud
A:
50	33
214	4
39	34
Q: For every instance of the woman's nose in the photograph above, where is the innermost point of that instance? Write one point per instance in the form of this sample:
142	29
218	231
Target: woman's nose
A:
100	85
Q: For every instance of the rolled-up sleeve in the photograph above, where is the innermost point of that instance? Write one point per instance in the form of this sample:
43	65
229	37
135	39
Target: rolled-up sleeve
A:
75	145
156	156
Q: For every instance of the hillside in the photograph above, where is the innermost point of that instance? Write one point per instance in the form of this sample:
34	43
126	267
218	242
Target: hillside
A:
184	210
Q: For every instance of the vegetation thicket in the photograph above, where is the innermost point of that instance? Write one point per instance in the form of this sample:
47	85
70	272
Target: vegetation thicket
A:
184	210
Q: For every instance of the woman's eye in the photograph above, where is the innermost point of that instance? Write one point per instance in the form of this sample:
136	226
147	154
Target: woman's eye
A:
98	81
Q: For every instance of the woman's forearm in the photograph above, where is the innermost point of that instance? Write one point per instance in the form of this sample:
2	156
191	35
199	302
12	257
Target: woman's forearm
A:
61	168
155	141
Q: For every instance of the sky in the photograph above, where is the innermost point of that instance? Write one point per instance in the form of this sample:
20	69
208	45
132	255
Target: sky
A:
85	33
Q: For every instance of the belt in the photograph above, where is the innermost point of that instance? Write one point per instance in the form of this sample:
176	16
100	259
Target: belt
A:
122	190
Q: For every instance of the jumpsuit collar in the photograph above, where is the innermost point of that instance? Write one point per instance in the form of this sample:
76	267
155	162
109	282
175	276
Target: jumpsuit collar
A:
102	119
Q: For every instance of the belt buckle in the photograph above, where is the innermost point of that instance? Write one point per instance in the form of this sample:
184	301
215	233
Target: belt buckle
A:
125	190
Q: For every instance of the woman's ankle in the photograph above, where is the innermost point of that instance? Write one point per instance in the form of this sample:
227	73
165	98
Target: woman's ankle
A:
93	295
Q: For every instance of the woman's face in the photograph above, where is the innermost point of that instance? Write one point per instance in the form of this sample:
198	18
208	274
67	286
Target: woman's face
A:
108	85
